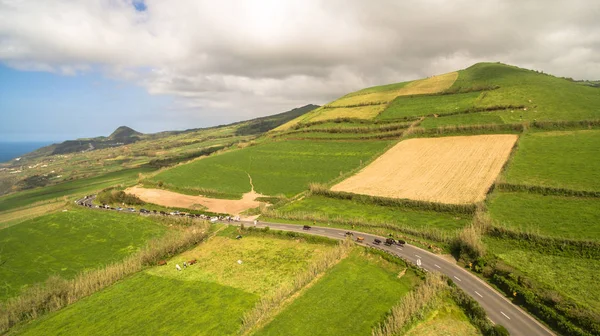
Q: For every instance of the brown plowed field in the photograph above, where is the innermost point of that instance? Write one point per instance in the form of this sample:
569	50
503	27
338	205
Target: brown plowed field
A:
452	170
173	199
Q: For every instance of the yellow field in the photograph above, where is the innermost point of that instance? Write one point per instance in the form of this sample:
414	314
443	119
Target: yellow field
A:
429	85
298	120
383	97
453	170
362	112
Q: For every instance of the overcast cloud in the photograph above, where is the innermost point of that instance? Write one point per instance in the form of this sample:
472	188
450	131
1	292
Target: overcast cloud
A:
249	58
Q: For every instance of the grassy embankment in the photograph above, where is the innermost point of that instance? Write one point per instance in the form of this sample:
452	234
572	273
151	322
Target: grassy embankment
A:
67	243
275	167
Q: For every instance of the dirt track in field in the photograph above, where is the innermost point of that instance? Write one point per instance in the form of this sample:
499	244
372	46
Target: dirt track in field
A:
173	199
452	170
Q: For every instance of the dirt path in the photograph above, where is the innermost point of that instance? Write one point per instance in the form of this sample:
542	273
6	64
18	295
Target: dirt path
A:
173	199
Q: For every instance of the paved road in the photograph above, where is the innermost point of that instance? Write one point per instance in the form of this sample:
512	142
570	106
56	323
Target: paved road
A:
498	308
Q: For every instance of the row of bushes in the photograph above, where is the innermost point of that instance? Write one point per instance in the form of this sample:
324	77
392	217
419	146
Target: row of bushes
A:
355	105
475	313
503	186
267	232
476	88
376	136
118	196
351	120
160	163
566	319
267	307
474	109
588	249
366	129
471	129
412	306
565	124
57	292
319	189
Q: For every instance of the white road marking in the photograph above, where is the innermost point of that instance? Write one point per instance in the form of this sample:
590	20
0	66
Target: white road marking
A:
478	294
321	230
505	315
436	265
399	248
457	278
341	234
418	256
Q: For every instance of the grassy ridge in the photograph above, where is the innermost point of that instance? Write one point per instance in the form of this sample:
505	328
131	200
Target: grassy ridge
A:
349	300
80	187
66	243
558	216
285	167
557	159
445	319
151	305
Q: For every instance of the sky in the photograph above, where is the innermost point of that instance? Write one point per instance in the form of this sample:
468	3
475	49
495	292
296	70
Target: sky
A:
81	68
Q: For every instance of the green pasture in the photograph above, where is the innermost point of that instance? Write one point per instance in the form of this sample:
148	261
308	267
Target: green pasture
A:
70	188
576	278
151	305
267	262
350	299
567	159
422	105
546	97
480	118
283	167
556	216
66	243
333	209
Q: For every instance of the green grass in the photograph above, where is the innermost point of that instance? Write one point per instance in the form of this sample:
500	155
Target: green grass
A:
372	213
574	277
266	262
350	299
411	106
557	159
481	118
445	319
285	167
546	97
558	216
151	305
80	187
66	243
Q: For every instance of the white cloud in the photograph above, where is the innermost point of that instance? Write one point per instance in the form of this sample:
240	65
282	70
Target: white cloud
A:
258	57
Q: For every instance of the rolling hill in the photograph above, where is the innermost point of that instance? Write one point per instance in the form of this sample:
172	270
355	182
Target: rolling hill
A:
494	164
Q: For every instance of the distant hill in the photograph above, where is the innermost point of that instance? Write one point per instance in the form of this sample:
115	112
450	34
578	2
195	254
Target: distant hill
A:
123	133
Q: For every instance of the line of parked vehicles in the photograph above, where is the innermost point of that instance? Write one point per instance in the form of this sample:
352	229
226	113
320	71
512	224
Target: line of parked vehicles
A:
87	201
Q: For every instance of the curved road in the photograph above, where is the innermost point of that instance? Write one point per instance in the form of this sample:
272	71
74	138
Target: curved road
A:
499	309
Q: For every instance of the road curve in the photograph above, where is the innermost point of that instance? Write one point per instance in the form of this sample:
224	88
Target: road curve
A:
499	309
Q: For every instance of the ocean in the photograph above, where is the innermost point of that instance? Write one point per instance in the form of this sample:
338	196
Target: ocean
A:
11	150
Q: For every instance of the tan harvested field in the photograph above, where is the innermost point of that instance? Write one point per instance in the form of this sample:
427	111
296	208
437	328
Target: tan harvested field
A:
361	112
173	199
452	170
429	85
368	98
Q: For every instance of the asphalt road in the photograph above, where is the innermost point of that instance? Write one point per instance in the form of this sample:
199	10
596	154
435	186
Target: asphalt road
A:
499	309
